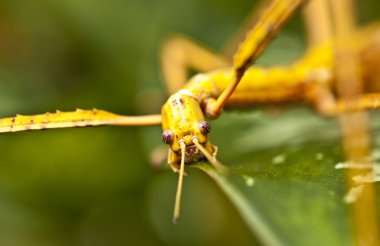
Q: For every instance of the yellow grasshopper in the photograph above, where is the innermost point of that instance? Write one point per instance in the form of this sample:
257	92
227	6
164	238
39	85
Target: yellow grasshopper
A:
310	79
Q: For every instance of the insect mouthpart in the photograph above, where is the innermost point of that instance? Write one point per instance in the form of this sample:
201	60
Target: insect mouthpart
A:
193	154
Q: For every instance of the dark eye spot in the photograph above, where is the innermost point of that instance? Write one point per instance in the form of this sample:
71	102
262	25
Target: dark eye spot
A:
167	137
204	127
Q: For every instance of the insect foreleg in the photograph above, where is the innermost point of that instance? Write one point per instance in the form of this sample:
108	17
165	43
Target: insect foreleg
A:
270	22
78	118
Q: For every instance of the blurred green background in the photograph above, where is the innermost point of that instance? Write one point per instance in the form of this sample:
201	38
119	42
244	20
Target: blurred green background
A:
94	186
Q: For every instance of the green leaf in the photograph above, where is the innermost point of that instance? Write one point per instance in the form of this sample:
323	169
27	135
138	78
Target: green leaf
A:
283	179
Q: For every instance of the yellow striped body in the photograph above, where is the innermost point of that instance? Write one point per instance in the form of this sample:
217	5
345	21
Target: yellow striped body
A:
266	85
289	83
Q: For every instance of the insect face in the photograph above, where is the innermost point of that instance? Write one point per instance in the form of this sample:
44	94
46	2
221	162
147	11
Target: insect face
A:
183	121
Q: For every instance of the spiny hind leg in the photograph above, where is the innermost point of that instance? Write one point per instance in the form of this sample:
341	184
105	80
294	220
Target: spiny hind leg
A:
179	54
78	118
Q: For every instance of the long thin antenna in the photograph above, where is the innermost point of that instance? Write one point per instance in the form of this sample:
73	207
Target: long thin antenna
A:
218	166
177	205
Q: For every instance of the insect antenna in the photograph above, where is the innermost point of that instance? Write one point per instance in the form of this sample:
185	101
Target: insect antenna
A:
217	165
177	205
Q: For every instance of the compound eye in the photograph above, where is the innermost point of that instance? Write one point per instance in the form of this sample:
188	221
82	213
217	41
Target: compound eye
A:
204	127
167	136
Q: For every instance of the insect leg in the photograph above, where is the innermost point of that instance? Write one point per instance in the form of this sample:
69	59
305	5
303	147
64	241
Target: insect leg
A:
326	103
78	118
179	53
356	141
318	22
238	37
267	26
